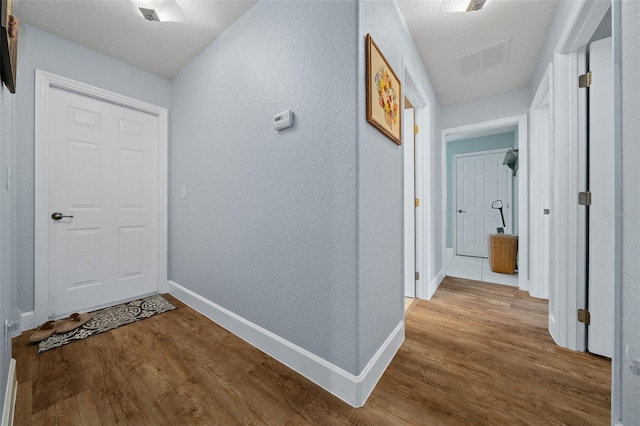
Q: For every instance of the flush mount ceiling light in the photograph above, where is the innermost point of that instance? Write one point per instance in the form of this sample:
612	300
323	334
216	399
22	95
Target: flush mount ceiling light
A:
454	6
160	10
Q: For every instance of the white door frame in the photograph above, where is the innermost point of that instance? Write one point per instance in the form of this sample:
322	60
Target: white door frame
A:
508	218
570	122
410	228
541	124
44	82
616	366
523	185
416	94
570	169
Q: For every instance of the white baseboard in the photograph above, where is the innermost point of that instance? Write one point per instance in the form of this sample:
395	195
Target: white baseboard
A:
448	255
354	390
28	321
435	283
8	409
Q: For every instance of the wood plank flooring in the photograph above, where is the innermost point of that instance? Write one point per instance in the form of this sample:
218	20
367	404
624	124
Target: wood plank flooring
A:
475	354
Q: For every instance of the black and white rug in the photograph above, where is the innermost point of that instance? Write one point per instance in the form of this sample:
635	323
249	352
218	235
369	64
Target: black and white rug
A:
109	318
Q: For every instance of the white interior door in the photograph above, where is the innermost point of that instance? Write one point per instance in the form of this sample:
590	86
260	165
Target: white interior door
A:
601	266
102	173
409	204
480	180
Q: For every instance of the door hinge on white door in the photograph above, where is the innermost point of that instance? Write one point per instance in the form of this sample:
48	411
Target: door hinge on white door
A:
584	198
415	130
417	202
584	80
584	316
417	276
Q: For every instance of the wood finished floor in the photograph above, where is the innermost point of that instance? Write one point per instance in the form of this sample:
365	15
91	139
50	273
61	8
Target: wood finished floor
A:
475	354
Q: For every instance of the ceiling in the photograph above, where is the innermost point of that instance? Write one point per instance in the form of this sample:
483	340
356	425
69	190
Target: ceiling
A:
115	28
441	37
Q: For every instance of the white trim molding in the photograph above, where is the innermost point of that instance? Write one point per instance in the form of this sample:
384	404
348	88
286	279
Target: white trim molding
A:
435	283
541	116
45	81
354	390
581	24
9	406
449	255
421	156
28	321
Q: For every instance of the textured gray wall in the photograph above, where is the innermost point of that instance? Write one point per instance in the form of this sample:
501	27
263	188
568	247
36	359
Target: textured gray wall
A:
560	20
41	50
268	226
380	186
630	205
7	235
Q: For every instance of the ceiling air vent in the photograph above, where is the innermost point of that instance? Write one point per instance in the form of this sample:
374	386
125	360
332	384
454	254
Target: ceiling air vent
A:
487	57
149	14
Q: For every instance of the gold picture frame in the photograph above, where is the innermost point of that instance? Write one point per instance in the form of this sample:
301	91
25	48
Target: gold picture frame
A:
384	94
8	47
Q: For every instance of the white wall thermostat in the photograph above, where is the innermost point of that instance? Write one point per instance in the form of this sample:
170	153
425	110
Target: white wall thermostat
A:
283	120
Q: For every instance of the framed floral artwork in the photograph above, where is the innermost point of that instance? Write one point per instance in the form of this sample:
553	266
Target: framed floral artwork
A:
384	94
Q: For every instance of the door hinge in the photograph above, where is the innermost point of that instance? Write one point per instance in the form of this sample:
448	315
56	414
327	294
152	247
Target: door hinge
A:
584	316
584	80
417	276
417	202
584	198
415	130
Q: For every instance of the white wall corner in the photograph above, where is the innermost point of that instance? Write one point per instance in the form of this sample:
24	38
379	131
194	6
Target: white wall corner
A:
354	390
28	321
8	408
435	283
448	256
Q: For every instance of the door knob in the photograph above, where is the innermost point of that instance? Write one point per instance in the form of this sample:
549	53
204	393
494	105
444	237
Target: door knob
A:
462	211
58	216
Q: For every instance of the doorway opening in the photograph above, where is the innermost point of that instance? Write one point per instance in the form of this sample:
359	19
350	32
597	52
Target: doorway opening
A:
481	201
476	184
417	155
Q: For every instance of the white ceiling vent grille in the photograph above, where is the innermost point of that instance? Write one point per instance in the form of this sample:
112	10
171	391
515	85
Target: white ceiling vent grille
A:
149	14
487	57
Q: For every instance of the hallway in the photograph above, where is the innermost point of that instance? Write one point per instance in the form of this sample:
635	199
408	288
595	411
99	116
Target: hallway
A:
475	354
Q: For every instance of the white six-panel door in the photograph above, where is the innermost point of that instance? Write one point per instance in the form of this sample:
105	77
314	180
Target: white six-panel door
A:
102	163
480	180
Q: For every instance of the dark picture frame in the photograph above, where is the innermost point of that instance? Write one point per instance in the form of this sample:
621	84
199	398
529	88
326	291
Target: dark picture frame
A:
8	47
384	94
